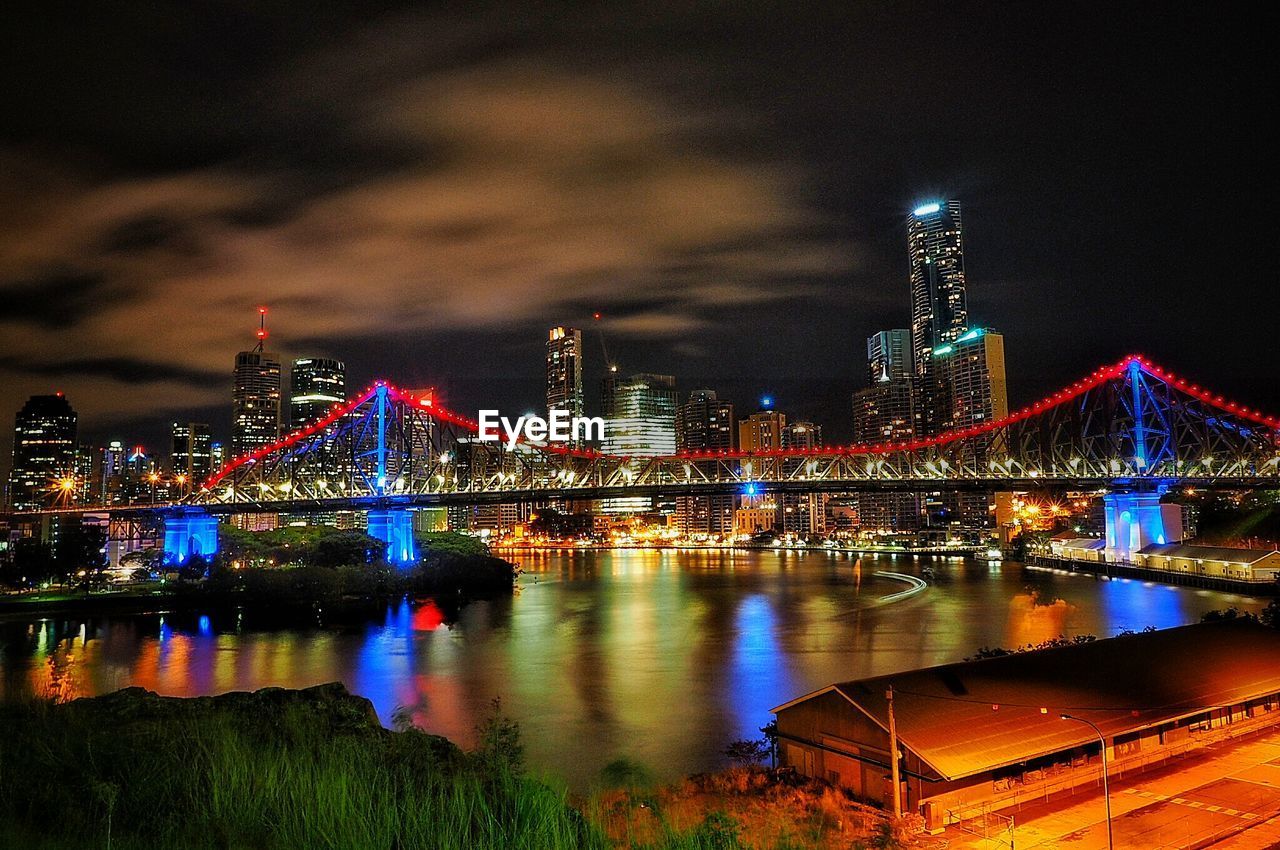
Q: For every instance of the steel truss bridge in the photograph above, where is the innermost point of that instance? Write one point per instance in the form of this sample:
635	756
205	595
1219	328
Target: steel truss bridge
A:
1128	427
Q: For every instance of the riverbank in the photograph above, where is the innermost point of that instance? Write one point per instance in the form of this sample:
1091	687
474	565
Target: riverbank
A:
330	594
950	551
1113	570
281	769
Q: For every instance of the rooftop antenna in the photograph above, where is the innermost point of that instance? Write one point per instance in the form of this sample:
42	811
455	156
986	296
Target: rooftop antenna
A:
613	367
262	328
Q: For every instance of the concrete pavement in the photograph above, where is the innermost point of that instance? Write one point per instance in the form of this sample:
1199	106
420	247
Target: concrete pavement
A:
1226	796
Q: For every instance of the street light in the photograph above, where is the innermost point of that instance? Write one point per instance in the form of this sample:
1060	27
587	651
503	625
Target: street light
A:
1106	791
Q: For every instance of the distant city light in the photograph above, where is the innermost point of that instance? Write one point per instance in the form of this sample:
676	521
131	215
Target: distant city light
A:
927	209
766	401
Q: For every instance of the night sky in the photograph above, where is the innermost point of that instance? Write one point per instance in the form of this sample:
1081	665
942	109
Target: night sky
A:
423	193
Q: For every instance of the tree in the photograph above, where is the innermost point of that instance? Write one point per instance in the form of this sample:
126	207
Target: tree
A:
748	752
81	548
193	569
32	564
343	548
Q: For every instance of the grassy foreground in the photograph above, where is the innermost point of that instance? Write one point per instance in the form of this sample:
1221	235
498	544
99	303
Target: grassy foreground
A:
279	769
272	769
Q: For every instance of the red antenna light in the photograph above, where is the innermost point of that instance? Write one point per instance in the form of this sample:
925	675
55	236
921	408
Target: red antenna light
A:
262	327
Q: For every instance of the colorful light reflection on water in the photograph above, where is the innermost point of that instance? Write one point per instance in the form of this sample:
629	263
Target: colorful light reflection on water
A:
661	657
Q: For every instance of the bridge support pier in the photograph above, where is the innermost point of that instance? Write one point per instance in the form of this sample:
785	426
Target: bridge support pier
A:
190	532
394	526
1135	520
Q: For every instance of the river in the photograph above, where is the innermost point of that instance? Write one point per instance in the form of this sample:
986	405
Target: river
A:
660	657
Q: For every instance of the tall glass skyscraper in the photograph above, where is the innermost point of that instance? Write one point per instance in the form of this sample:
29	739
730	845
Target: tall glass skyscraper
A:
255	407
191	452
44	451
564	370
640	415
316	384
705	423
939	311
640	421
889	356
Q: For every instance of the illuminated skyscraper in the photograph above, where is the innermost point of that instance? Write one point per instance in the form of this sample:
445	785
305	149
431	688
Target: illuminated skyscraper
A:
887	411
972	378
564	370
704	423
255	400
640	415
640	421
762	430
114	459
971	391
804	514
889	356
884	413
191	452
44	451
316	384
939	310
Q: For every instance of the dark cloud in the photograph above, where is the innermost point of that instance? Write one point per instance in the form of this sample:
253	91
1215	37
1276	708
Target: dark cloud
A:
120	369
52	301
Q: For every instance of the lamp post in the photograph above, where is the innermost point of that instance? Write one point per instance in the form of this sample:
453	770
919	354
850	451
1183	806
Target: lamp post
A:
1106	791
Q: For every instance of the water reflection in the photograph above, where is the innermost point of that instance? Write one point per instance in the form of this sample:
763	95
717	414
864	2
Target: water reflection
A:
662	657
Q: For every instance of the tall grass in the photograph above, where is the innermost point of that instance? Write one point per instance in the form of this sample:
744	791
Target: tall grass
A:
75	777
282	770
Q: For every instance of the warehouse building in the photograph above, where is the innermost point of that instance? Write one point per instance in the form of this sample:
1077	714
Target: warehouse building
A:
1181	560
990	734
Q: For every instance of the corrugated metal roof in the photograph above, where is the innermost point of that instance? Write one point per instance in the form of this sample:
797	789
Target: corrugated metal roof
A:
949	717
1083	543
1229	554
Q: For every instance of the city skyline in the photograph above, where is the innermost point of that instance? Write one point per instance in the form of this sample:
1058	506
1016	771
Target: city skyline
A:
763	201
765	425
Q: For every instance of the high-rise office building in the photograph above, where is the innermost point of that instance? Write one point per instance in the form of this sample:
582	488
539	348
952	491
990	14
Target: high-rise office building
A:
114	461
640	421
939	309
564	370
759	432
217	456
889	356
971	391
887	411
87	474
255	402
804	514
191	452
44	451
316	384
972	378
705	423
762	431
640	415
